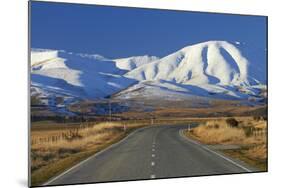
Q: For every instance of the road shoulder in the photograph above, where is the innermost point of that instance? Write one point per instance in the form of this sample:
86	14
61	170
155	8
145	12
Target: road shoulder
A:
241	164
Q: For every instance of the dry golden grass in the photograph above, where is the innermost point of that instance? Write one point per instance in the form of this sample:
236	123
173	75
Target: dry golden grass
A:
219	132
250	135
215	132
52	153
257	152
86	135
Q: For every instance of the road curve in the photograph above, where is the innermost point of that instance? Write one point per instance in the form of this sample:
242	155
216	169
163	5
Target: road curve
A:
154	152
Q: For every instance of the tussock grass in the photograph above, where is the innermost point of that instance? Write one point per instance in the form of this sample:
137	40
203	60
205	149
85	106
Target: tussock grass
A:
217	131
51	153
249	134
258	152
84	136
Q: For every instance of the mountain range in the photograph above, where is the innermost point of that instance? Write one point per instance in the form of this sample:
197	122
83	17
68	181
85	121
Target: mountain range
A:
212	70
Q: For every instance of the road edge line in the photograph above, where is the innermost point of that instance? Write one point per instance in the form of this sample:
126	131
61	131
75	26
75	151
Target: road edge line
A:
214	152
92	156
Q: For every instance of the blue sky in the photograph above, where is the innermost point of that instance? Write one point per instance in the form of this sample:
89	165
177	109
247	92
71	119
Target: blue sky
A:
121	32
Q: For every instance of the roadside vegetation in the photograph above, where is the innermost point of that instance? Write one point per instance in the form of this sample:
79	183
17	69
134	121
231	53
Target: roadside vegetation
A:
244	138
57	148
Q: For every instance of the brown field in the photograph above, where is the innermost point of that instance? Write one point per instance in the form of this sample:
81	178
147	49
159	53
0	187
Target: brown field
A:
219	110
249	135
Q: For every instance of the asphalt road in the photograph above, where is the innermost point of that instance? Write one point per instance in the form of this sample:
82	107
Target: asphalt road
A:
154	152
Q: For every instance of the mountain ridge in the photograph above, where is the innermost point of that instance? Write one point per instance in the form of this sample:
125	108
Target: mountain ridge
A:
214	69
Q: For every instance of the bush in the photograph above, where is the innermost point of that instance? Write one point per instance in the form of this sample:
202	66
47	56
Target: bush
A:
231	122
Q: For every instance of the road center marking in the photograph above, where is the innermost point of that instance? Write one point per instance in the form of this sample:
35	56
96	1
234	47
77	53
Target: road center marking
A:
153	149
153	155
152	176
152	163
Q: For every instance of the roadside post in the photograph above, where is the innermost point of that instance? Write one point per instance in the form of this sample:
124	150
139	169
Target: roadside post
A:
124	127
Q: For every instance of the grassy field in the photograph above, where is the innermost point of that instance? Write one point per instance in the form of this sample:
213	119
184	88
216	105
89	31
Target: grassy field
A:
57	147
245	137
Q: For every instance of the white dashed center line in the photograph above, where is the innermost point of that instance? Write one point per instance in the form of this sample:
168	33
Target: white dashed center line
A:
153	176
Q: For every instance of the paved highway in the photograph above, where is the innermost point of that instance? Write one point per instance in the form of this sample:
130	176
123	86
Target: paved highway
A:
149	153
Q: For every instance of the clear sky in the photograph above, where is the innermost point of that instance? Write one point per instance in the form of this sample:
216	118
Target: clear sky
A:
121	32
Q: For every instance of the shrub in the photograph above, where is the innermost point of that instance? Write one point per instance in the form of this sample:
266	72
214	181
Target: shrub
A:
216	126
231	122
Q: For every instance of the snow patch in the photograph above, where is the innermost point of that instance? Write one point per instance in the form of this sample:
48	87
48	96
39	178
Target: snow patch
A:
134	62
40	55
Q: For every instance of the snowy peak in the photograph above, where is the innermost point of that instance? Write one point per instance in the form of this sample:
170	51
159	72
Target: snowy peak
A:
134	62
213	62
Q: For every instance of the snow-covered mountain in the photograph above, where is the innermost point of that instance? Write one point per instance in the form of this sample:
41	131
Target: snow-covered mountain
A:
78	75
213	69
214	62
131	63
